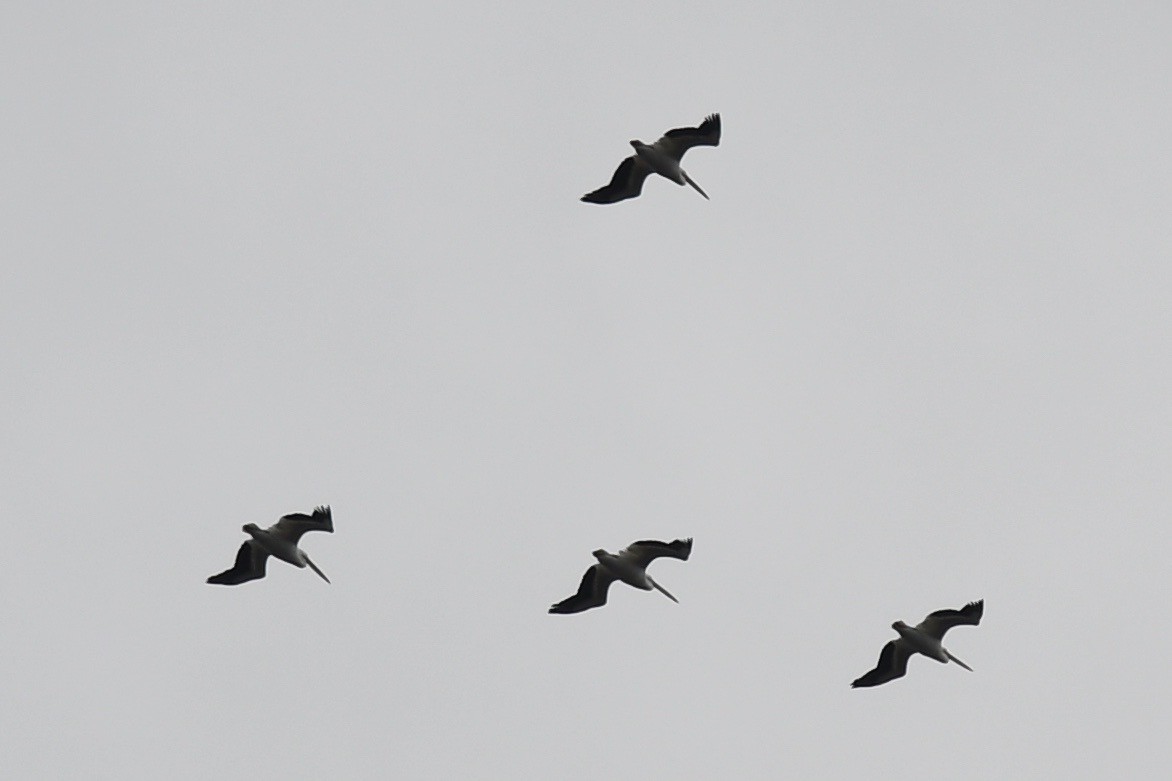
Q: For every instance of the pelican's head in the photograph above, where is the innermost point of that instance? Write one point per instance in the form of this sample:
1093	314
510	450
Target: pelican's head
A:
598	554
250	528
637	143
899	626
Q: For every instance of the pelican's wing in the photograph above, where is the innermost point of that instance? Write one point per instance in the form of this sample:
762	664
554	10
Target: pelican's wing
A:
936	624
676	142
644	552
627	182
892	664
292	526
591	592
250	565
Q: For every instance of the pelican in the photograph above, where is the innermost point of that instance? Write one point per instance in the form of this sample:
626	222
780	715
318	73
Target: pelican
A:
924	638
278	540
629	566
662	157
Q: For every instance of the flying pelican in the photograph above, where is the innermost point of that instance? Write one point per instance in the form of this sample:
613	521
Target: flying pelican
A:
278	540
924	638
629	566
662	157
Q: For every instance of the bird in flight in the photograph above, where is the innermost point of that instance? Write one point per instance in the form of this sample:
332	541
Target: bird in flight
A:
628	565
663	158
278	540
923	638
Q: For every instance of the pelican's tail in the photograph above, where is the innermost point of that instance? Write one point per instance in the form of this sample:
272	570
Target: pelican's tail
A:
688	179
662	590
313	567
954	659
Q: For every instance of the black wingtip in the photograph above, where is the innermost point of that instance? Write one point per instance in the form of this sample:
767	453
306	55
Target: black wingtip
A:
975	609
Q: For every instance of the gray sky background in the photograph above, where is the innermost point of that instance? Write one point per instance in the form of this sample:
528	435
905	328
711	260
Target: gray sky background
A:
914	352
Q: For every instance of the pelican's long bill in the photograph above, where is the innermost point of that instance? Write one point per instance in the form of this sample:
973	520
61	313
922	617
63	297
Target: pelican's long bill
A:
688	179
662	590
952	658
313	567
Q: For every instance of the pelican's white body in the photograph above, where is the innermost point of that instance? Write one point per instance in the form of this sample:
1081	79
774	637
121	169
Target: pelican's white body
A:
663	164
282	547
624	569
920	642
664	160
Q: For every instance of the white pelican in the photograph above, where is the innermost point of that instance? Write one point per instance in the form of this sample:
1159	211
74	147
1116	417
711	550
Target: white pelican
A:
278	540
924	638
662	157
629	566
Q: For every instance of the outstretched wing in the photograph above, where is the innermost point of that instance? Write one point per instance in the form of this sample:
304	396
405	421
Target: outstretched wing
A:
936	624
250	565
892	664
292	526
644	552
591	592
627	182
681	139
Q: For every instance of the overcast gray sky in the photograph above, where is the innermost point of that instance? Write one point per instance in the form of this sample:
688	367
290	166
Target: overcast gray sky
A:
914	352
